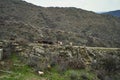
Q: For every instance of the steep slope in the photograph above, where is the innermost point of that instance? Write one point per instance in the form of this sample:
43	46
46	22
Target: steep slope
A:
113	13
19	19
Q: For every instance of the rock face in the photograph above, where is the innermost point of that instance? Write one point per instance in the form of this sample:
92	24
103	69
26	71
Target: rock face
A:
1	54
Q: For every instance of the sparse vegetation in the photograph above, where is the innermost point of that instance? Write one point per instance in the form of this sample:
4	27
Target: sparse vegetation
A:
20	71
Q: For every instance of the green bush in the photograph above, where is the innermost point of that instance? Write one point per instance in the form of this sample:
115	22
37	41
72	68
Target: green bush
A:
74	76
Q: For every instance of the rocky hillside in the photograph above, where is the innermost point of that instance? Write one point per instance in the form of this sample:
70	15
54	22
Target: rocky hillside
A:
24	21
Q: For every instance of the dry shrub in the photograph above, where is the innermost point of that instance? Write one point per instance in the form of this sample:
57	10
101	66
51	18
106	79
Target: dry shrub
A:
109	63
76	63
108	66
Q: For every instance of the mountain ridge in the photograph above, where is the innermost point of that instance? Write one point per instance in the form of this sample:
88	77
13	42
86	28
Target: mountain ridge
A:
115	13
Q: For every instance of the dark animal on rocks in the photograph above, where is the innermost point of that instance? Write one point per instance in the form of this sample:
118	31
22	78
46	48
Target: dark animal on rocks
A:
46	42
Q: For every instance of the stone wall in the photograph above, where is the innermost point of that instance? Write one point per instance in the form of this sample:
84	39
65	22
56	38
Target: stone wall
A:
43	55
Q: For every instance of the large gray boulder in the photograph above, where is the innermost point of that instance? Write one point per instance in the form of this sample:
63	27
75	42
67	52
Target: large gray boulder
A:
1	54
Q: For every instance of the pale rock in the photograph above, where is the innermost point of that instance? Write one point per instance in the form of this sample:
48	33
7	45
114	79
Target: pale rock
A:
40	72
